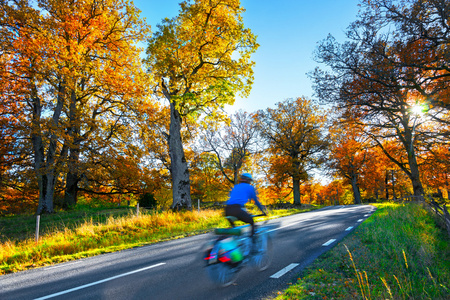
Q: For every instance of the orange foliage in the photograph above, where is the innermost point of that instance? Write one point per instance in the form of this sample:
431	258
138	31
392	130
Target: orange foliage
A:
294	134
17	201
77	65
436	168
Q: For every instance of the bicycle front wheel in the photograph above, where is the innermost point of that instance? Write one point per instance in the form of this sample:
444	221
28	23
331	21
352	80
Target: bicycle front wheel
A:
263	257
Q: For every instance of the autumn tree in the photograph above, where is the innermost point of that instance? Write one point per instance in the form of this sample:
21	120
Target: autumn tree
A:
436	168
13	149
208	184
294	132
380	75
348	154
15	152
419	36
153	128
374	174
201	59
153	133
79	70
231	143
335	192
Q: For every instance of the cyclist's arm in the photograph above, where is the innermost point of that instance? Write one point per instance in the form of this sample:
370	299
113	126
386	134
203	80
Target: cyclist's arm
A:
260	206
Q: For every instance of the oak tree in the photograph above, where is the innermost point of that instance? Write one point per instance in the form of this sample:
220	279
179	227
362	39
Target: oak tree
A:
348	154
380	75
294	132
231	143
200	59
80	69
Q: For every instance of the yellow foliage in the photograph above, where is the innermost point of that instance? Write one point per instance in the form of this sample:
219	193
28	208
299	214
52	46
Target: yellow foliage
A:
194	55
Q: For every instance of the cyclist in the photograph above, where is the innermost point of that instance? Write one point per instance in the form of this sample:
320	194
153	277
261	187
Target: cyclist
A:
239	196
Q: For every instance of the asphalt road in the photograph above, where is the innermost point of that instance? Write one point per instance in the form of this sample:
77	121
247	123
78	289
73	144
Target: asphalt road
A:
175	270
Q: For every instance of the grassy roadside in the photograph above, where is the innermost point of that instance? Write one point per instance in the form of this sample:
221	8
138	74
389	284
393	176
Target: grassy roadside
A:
22	227
398	253
82	234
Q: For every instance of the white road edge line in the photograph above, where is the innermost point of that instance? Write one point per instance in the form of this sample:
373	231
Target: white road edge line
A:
366	215
283	271
360	220
98	282
61	265
329	242
348	229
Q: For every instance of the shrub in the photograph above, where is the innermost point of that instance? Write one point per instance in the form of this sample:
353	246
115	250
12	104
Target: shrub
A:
147	200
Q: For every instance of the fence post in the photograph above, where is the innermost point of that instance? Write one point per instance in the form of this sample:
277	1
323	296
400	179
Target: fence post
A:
198	205
137	210
436	207
446	218
38	221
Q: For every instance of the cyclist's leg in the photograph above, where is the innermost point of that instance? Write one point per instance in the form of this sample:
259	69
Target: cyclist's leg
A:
232	211
240	214
235	210
247	218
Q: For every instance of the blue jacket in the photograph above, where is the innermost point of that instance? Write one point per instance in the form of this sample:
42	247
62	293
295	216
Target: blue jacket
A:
242	193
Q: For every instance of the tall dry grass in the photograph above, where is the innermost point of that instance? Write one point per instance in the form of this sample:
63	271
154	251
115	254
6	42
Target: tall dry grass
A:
91	238
117	232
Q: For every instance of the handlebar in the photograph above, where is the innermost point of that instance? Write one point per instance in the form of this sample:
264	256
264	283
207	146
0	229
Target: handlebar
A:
260	215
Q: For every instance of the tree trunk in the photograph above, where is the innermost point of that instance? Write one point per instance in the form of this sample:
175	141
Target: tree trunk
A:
51	163
181	187
72	177
38	149
45	178
356	192
296	188
415	175
45	184
393	186
386	182
46	170
71	191
236	176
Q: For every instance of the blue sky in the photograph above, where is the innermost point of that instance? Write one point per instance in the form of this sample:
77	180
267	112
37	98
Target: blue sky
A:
288	32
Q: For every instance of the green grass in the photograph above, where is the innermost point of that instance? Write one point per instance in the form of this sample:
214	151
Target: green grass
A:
78	234
398	253
23	227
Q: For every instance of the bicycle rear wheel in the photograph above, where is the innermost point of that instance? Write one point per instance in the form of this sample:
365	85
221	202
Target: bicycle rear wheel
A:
222	274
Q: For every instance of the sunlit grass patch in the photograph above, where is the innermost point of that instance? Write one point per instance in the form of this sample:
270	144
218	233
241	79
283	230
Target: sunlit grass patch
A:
22	227
112	232
91	238
398	253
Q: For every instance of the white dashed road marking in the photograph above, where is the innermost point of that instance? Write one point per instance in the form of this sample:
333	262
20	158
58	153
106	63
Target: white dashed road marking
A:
293	265
283	271
329	242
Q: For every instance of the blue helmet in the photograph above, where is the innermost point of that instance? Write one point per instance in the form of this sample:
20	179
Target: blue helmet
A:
246	176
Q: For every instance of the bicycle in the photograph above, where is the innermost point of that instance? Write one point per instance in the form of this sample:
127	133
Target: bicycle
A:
228	253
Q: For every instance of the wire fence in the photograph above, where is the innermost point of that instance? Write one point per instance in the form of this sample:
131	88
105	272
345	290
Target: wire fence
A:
440	210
